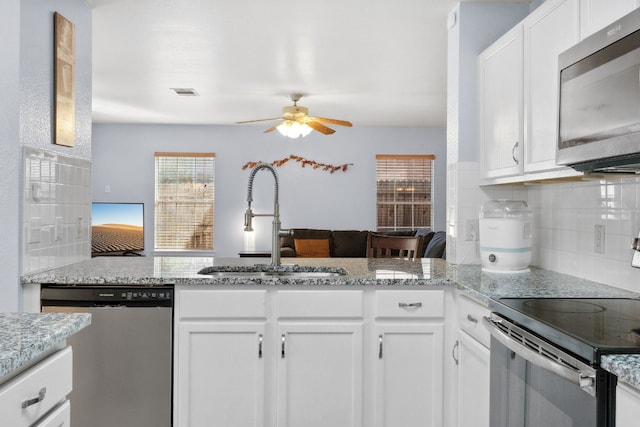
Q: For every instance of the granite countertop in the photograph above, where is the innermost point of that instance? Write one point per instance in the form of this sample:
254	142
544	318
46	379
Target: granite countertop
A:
25	338
469	279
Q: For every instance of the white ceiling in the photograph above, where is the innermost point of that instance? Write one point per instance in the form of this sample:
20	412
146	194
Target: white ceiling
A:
372	62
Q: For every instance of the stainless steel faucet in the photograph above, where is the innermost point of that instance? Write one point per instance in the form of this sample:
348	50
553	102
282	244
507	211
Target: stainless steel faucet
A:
276	231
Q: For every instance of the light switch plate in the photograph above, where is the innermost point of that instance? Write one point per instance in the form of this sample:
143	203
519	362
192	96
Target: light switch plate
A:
635	261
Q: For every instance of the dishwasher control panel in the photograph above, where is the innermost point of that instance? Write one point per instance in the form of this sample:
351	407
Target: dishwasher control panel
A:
87	295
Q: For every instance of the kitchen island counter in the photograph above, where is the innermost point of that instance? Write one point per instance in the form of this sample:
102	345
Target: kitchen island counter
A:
156	271
425	272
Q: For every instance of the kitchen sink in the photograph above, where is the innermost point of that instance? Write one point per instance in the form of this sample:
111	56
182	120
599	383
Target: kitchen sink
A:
274	273
267	270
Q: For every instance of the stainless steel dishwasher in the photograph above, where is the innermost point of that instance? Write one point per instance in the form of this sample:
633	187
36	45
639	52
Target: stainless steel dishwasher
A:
122	367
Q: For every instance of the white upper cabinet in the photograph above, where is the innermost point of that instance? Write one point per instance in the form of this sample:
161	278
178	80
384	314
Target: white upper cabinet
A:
500	109
596	14
518	93
550	30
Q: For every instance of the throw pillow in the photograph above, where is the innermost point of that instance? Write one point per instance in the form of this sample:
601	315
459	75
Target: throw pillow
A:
312	248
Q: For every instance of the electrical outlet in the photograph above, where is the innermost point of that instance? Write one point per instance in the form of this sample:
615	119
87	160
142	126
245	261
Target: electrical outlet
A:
598	238
472	230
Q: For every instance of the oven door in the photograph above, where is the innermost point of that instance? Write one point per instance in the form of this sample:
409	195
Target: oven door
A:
535	384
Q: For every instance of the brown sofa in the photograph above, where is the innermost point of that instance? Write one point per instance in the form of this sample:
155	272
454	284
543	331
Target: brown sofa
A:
353	243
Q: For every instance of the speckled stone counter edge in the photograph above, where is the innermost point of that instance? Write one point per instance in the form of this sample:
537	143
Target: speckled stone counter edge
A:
26	337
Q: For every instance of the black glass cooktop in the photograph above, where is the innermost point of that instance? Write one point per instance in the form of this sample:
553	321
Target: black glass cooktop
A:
589	327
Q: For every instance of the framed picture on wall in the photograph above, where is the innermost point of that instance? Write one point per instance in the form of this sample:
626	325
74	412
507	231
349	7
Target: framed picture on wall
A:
64	81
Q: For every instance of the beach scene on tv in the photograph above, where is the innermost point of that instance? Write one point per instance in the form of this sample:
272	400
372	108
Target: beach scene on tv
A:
117	227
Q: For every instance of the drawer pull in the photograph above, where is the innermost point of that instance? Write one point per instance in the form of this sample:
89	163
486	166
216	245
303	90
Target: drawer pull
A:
41	394
470	318
410	305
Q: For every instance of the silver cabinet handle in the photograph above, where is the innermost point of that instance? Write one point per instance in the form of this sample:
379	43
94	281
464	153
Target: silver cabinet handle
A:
260	346
472	319
513	153
453	352
41	394
282	346
409	304
379	346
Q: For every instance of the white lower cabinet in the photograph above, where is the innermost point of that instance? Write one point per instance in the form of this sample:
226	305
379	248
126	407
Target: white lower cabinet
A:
221	381
292	358
627	405
472	357
473	382
37	396
320	374
409	375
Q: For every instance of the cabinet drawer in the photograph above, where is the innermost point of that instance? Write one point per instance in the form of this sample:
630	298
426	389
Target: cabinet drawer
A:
49	379
59	417
213	304
320	304
471	319
410	304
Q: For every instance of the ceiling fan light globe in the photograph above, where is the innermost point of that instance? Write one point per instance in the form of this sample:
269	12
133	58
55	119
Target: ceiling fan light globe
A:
293	129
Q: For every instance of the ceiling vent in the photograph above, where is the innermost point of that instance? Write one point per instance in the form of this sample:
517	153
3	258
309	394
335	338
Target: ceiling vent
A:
185	91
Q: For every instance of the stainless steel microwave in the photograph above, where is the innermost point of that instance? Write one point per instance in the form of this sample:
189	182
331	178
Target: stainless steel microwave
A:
599	102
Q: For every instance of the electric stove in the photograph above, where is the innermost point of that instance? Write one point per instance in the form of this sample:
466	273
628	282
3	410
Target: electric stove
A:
586	327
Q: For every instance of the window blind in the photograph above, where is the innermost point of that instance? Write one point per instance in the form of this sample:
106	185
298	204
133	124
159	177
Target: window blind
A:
404	184
184	201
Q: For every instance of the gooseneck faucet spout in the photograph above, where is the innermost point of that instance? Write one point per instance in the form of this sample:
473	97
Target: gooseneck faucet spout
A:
248	215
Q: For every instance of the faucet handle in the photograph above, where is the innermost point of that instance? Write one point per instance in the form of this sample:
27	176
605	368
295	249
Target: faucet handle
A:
286	232
248	216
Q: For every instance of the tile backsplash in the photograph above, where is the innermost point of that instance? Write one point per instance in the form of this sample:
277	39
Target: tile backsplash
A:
582	228
56	210
585	229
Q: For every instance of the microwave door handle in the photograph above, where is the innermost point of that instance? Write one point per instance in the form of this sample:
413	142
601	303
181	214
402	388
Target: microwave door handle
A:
585	378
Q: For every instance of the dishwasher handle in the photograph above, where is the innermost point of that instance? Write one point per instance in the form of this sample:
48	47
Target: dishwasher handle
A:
575	371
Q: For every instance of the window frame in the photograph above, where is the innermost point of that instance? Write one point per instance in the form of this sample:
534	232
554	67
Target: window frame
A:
395	202
191	198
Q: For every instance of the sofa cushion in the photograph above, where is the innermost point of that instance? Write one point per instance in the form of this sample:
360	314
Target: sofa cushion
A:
427	235
312	248
437	246
349	244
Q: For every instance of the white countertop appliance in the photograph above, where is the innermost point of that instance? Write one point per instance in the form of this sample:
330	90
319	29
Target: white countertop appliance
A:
505	236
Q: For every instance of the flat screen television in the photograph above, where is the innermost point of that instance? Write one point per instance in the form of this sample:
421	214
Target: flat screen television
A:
117	227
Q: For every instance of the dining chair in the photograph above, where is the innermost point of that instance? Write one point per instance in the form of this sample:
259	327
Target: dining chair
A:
383	246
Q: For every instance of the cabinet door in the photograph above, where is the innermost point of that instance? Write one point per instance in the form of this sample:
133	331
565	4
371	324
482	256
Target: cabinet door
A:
596	14
550	30
409	380
500	109
473	382
320	375
220	381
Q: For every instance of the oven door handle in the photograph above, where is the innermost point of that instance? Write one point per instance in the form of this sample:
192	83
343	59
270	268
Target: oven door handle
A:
582	374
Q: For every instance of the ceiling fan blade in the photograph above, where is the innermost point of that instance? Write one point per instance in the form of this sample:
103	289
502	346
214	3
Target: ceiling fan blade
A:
271	129
320	127
259	120
332	121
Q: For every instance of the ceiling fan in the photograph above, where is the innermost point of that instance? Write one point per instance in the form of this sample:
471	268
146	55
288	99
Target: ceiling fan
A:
296	121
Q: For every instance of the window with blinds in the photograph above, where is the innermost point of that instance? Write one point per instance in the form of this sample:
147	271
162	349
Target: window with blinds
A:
403	185
184	200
